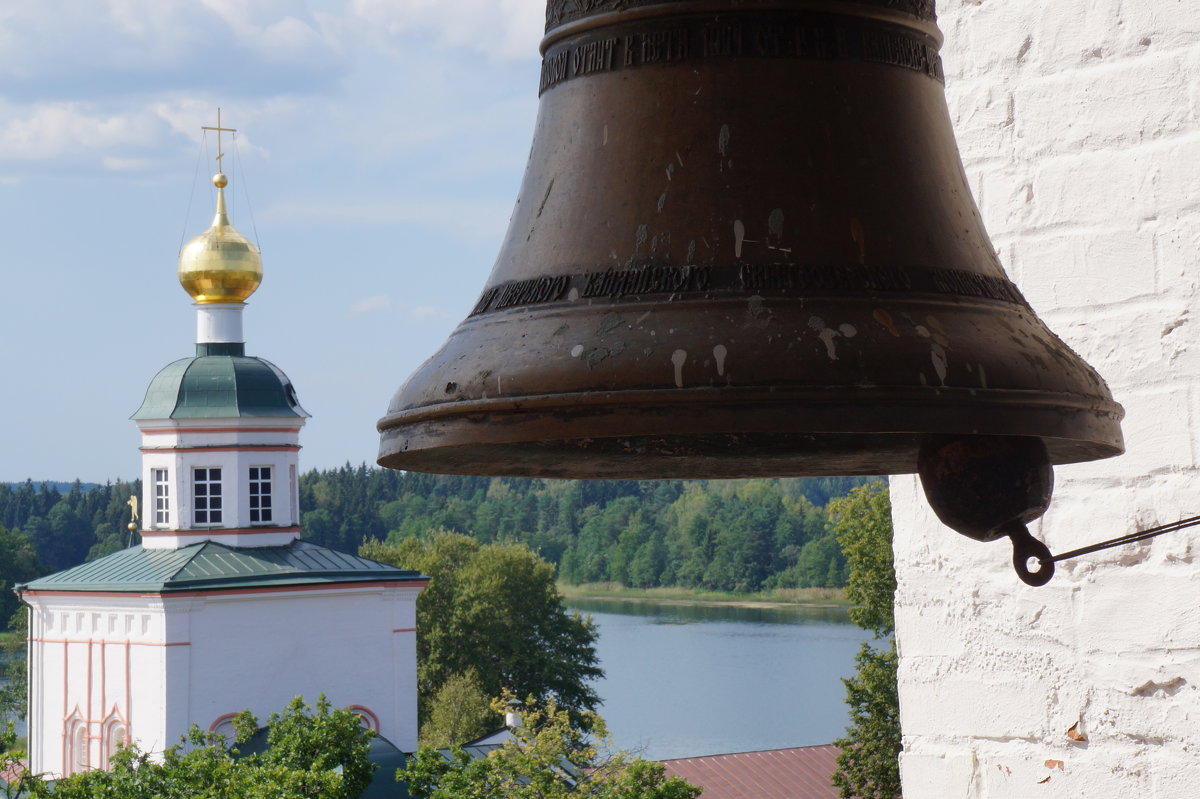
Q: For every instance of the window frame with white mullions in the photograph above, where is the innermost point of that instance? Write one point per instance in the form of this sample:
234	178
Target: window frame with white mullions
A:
202	478
160	480
259	491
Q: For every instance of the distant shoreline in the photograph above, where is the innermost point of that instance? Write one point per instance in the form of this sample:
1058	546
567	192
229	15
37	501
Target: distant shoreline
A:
777	598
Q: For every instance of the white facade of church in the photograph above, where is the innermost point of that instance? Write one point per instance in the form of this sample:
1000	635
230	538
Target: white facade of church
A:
106	669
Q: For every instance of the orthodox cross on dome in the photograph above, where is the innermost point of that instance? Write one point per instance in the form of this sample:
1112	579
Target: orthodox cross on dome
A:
219	130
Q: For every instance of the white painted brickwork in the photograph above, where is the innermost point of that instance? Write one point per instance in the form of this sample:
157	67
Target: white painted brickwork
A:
1079	126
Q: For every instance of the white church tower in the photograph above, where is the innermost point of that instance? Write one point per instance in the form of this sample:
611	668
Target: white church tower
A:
222	607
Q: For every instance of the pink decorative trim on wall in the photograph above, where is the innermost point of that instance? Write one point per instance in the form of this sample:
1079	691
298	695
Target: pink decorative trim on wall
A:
121	641
224	448
179	430
71	723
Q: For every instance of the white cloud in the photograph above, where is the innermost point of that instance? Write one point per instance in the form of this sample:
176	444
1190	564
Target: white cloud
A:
96	85
378	302
93	49
134	138
423	312
63	129
84	49
187	115
509	29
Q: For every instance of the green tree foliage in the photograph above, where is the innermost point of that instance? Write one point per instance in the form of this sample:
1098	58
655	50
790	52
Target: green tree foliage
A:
458	713
869	766
494	610
14	690
742	535
12	765
317	739
66	534
8	744
546	759
313	754
862	521
18	564
869	763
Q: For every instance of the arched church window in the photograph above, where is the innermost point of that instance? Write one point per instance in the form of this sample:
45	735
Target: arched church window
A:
223	725
366	717
79	748
118	736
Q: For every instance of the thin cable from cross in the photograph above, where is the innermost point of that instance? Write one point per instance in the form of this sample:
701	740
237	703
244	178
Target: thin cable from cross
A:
1140	535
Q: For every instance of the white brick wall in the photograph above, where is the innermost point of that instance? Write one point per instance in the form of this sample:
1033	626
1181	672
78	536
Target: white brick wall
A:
1079	126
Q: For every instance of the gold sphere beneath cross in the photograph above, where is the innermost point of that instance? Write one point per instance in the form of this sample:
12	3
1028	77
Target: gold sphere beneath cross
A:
220	265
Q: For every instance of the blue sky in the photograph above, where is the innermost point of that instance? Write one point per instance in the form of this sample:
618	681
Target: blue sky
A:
380	151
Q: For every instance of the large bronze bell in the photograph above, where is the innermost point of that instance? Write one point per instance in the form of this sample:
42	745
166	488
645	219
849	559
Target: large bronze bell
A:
744	246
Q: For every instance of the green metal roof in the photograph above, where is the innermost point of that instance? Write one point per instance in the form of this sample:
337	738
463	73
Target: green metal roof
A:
219	386
387	759
210	566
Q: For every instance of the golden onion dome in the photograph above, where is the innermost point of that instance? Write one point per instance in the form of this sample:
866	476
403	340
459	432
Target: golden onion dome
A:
220	265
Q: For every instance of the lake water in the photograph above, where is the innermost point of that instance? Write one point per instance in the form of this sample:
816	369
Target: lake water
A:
691	680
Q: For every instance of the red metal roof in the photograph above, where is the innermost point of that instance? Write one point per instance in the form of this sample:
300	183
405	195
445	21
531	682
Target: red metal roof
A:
800	773
13	772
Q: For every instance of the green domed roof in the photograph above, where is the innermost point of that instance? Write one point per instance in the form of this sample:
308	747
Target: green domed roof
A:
219	386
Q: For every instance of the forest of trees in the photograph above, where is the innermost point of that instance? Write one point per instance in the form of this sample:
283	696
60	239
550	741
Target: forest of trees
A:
69	527
737	535
725	535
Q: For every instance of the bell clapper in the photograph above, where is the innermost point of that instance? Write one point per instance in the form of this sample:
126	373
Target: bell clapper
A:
986	487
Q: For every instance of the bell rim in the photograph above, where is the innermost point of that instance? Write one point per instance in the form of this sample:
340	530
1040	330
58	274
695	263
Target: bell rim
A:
823	455
566	433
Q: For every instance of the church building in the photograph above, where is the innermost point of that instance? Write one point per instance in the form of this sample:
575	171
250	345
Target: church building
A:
223	607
